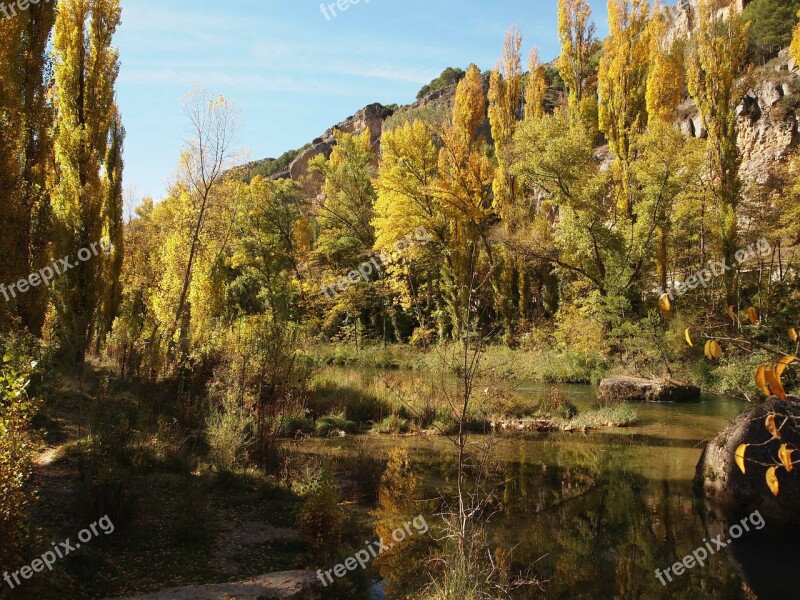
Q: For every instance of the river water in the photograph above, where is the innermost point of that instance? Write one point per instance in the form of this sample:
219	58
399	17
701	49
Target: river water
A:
594	515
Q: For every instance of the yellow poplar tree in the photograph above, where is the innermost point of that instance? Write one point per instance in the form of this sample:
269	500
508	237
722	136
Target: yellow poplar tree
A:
536	87
464	184
623	88
26	121
578	44
665	85
714	63
86	68
666	80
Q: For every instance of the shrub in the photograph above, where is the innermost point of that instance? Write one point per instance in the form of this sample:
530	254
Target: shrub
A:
393	424
333	424
16	411
320	521
230	436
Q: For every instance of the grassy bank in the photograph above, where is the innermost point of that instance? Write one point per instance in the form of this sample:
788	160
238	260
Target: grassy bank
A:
504	362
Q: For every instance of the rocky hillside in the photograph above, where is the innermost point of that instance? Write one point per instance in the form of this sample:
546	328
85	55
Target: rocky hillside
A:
768	115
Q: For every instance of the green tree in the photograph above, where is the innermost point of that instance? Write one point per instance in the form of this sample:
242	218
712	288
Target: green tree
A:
771	25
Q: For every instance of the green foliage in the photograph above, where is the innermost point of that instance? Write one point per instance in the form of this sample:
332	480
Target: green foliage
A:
332	425
450	76
17	409
320	520
772	24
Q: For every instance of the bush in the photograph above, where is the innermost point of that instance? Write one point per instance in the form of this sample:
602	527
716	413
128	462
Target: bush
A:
230	436
393	424
320	521
333	424
16	411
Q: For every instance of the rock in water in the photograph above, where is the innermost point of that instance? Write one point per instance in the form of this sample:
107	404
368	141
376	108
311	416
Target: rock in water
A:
637	389
720	481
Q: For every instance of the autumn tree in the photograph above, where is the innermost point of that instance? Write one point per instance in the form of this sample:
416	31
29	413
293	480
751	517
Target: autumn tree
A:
406	202
536	86
464	185
578	47
26	120
716	58
86	68
347	209
666	80
622	89
207	154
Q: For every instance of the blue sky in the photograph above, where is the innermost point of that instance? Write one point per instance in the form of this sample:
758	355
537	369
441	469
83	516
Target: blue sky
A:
293	72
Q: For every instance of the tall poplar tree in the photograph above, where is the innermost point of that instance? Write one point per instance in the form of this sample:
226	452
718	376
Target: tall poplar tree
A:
25	151
623	88
578	45
715	61
87	131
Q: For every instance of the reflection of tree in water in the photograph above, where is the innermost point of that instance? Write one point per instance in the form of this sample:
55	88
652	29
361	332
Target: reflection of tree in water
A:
605	529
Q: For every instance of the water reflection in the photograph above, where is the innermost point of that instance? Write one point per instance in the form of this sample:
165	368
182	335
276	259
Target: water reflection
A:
597	514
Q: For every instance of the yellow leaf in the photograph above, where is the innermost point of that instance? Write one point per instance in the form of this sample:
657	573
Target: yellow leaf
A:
707	350
784	362
772	481
772	427
774	383
793	334
786	457
688	335
752	314
761	380
716	350
732	314
739	457
664	305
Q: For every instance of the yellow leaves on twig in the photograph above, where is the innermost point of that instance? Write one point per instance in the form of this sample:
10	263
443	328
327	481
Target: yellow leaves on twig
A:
793	334
664	304
761	380
772	481
784	362
739	457
774	383
772	427
785	456
752	315
688	335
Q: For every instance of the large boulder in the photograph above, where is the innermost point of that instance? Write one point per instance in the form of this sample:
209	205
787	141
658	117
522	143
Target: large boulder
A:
287	585
720	481
638	389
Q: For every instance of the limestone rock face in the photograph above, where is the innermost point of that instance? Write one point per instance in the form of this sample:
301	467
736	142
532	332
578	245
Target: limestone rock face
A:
637	389
287	585
767	120
719	480
368	118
